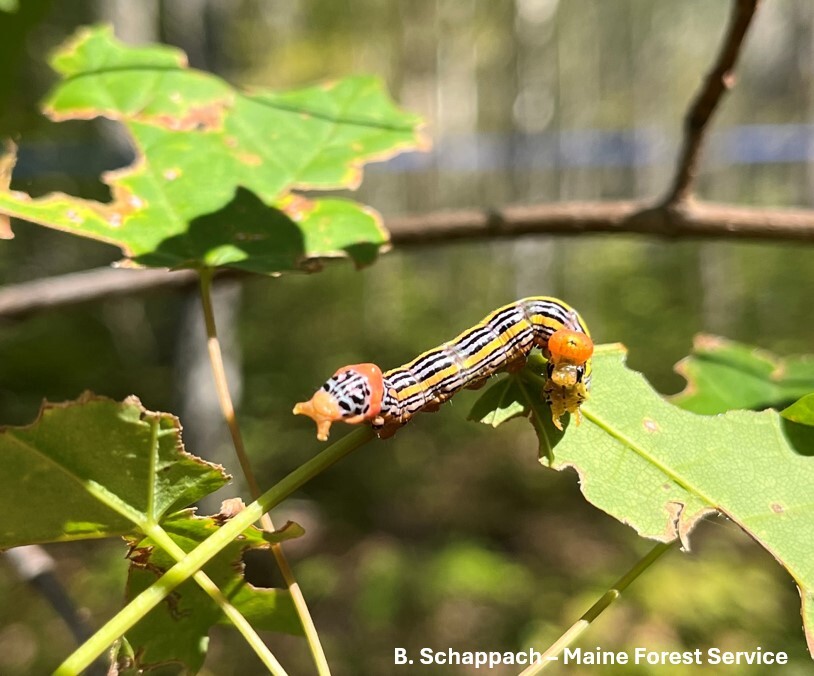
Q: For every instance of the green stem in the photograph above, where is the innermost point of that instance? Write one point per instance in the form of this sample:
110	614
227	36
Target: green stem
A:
83	656
578	628
163	540
228	409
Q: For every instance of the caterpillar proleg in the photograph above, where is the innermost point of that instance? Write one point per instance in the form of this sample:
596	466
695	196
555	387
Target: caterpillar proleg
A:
502	341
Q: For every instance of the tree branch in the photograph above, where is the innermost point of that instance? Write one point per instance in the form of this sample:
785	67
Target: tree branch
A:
696	219
18	300
719	80
685	220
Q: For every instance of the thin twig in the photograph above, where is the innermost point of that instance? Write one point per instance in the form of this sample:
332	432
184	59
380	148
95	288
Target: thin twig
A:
228	409
576	629
718	81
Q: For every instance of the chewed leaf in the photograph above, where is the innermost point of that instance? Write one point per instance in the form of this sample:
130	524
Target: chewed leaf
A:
723	375
95	468
209	155
660	469
177	630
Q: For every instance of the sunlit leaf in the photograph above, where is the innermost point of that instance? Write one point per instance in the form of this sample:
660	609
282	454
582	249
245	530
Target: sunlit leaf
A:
95	468
177	630
199	141
723	375
801	411
661	469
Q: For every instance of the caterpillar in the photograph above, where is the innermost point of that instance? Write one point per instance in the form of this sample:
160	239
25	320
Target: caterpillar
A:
502	341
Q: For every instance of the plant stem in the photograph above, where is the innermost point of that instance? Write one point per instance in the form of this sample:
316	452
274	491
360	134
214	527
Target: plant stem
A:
83	656
163	540
228	409
575	630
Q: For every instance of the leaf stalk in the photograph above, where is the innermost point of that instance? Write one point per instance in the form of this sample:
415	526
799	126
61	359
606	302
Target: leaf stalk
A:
552	653
228	410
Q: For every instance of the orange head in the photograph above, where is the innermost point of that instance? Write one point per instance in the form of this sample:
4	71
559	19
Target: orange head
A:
570	347
353	394
568	352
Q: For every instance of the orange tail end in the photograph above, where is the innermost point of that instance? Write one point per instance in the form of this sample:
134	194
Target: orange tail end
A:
322	409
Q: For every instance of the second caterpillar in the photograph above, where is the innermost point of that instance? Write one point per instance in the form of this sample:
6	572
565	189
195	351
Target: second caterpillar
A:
502	341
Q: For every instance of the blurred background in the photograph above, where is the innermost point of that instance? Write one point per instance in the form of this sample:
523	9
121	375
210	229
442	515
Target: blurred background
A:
450	535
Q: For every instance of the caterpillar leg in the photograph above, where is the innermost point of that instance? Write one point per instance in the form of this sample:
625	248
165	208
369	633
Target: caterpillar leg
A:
556	399
515	366
564	400
433	405
385	430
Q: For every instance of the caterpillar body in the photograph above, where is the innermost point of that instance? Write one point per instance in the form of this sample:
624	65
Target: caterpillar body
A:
502	341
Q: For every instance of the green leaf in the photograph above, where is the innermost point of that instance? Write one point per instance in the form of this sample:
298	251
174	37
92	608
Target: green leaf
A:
9	5
249	235
500	402
199	141
801	411
520	395
661	469
177	630
723	375
95	468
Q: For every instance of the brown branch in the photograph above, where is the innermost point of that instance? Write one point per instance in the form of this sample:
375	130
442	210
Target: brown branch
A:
19	300
686	220
718	81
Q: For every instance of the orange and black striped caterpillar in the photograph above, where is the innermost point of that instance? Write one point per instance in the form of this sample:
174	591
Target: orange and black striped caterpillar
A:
502	341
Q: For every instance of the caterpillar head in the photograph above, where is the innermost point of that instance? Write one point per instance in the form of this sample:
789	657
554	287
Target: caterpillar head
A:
568	352
353	394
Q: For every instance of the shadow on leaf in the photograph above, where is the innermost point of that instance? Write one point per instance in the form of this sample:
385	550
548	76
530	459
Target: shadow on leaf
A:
246	234
800	437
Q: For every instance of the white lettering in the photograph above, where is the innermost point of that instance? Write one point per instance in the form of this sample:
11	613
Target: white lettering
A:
757	656
642	655
594	657
427	656
569	655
